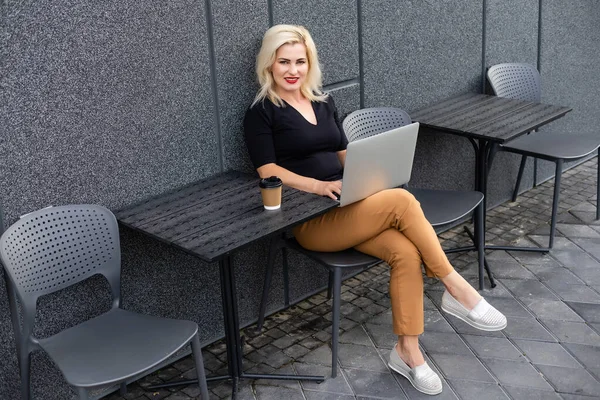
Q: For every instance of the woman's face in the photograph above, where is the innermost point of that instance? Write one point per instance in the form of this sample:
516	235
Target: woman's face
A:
290	67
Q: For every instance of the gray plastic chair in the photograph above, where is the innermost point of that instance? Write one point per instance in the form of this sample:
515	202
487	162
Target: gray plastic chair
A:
440	207
523	82
54	248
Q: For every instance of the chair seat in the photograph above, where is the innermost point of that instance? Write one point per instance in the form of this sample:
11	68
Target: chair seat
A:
445	206
554	145
348	258
455	205
116	345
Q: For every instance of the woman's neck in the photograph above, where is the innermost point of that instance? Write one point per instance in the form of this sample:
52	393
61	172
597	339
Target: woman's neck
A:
292	97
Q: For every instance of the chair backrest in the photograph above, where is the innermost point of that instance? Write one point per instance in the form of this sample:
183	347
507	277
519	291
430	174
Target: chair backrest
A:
367	122
53	248
515	81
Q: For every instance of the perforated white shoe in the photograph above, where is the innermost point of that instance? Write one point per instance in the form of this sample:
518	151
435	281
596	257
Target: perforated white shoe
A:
483	316
422	377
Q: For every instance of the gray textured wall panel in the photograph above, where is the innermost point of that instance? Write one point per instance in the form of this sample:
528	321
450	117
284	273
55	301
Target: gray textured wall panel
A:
347	99
238	27
334	28
511	36
417	53
569	65
106	103
511	31
434	168
421	53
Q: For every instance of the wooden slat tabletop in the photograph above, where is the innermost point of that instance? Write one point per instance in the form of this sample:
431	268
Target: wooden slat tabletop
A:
488	117
220	214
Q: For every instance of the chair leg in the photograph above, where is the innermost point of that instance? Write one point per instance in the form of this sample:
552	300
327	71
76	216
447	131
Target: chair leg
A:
273	247
286	278
335	319
200	374
83	394
123	389
491	156
519	177
330	285
24	368
555	200
598	188
535	171
480	242
14	311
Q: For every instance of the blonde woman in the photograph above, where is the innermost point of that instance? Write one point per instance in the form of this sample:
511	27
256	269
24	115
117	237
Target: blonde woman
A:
292	130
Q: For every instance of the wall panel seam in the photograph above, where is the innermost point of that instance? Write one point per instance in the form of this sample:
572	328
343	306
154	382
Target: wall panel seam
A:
539	65
483	45
342	84
270	12
361	75
213	81
539	38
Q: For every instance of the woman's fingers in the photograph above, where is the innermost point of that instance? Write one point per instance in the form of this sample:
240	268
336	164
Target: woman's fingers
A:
329	189
336	188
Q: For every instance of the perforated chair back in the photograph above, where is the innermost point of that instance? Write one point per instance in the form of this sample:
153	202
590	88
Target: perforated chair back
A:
367	122
53	248
515	81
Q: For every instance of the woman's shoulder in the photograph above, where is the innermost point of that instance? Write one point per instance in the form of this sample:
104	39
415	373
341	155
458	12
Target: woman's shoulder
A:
263	109
267	107
260	106
327	103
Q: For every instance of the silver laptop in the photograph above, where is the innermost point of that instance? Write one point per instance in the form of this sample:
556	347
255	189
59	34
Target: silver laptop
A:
379	162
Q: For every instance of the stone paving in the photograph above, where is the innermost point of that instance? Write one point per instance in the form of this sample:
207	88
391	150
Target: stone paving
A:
550	349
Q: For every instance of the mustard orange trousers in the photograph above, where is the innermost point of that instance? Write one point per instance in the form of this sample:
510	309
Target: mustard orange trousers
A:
389	225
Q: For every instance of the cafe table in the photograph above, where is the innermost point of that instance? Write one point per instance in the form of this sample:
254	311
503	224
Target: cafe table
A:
488	121
212	220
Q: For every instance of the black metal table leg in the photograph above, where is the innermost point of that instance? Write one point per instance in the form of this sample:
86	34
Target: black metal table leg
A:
233	339
483	159
234	344
237	341
486	266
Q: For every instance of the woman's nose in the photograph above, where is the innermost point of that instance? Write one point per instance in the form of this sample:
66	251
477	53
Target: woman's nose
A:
293	69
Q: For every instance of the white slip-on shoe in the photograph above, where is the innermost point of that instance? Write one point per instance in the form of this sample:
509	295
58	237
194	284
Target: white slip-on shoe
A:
483	316
422	377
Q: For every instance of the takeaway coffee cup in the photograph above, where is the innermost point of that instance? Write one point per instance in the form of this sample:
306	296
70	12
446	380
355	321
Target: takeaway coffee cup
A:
270	189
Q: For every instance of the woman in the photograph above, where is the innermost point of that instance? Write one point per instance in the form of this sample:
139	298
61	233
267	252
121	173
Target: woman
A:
292	131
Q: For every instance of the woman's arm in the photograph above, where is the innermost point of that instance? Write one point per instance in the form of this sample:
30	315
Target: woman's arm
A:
342	157
322	188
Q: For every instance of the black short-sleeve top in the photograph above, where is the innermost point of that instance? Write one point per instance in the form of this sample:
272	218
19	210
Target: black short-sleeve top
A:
281	135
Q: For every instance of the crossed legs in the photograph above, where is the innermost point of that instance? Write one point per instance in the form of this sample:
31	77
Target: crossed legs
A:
390	225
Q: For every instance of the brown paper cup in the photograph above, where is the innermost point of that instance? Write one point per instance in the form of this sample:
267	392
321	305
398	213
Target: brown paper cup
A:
271	198
270	189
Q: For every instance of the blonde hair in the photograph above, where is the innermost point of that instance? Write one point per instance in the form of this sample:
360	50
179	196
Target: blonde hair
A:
274	38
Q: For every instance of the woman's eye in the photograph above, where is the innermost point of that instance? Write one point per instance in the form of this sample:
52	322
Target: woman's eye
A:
301	62
283	62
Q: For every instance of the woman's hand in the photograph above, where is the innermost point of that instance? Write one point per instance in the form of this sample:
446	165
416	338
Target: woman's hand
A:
304	183
326	188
